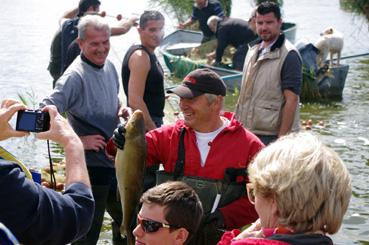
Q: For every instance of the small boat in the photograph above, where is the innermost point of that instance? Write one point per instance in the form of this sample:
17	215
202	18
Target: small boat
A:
176	46
331	86
320	82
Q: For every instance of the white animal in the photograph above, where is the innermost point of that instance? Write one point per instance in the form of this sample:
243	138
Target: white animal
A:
331	41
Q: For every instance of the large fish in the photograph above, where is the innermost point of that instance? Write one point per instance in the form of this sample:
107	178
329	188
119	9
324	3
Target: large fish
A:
130	167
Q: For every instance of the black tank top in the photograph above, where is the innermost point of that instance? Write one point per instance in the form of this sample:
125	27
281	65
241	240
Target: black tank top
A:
154	96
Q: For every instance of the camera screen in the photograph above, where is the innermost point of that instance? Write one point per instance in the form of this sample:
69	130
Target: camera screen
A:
27	122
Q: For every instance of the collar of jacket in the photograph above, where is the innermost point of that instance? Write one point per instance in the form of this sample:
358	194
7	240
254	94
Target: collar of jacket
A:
276	45
84	58
233	125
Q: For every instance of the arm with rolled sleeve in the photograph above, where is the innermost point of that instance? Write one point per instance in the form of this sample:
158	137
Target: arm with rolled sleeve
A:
37	215
291	76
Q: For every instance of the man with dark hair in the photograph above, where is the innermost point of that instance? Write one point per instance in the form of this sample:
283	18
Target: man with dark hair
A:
268	104
210	150
235	32
84	6
170	214
201	11
142	74
143	77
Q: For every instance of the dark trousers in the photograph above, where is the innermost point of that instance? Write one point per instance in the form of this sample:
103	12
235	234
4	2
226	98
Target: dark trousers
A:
104	190
267	139
208	234
239	57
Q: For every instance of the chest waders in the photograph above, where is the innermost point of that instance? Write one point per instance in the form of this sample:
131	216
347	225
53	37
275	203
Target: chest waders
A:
212	193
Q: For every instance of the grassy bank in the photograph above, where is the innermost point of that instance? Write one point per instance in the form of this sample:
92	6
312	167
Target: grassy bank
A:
356	6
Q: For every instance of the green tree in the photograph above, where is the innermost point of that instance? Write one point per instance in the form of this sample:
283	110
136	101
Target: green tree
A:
356	6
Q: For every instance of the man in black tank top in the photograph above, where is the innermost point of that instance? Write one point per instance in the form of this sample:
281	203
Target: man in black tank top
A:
142	74
143	78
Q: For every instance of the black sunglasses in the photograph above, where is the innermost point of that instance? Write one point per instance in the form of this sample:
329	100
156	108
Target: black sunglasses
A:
150	226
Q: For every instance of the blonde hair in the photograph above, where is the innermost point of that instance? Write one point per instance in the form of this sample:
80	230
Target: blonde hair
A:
309	181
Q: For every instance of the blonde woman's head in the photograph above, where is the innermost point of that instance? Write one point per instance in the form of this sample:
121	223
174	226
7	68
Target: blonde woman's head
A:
308	181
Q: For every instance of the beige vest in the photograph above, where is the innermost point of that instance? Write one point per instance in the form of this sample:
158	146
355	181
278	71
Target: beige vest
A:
261	99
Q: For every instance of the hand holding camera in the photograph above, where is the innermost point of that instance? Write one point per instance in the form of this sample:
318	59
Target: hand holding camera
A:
48	123
7	109
60	130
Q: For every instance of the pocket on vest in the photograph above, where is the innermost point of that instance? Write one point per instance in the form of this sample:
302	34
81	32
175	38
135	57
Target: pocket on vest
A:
266	115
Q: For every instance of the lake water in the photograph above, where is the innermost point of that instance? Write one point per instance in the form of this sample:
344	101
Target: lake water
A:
28	26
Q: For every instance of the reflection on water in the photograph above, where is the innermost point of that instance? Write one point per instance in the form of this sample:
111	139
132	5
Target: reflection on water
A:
27	31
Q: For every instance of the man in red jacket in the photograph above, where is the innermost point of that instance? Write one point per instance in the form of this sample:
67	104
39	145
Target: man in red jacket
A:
209	150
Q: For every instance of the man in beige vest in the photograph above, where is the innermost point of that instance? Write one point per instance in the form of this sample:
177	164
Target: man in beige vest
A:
271	83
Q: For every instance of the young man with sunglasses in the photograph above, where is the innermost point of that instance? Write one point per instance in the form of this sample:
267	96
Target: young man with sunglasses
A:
170	214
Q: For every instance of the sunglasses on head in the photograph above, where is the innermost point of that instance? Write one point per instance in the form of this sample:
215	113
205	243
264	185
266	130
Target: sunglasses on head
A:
150	226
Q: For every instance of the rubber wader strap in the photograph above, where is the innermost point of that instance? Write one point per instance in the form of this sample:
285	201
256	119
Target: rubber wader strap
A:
179	168
231	174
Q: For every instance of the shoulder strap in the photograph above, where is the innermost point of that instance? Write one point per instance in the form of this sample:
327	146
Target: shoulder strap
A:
179	168
152	56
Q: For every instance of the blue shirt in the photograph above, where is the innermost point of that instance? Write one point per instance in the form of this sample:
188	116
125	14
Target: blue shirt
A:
203	14
37	215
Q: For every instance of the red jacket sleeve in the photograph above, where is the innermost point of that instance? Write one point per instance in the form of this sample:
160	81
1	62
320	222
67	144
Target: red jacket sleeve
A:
228	236
239	213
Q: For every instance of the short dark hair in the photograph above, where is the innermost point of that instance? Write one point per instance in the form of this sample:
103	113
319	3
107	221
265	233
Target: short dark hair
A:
150	15
183	207
269	7
85	4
